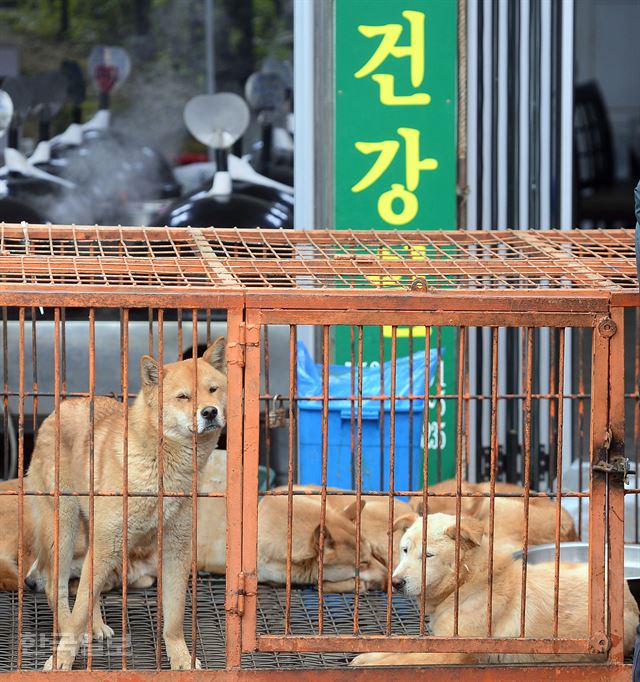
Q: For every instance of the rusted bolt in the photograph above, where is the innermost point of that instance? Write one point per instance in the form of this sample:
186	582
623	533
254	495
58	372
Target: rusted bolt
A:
419	284
607	327
599	643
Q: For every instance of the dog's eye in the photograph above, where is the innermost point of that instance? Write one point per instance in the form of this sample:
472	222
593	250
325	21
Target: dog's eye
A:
213	389
405	550
429	555
182	396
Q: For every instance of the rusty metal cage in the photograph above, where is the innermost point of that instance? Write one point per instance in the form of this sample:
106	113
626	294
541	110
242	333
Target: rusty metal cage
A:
81	305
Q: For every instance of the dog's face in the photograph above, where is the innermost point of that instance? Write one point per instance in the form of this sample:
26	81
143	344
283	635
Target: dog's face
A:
185	389
441	552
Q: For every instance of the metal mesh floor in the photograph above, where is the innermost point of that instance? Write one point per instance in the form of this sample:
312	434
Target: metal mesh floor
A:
210	643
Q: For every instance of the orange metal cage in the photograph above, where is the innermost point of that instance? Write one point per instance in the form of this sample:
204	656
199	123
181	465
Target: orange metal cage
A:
557	280
238	260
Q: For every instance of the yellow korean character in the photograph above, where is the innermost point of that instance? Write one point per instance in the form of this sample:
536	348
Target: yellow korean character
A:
389	47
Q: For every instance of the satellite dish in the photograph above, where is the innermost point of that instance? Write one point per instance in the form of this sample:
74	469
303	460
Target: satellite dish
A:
265	92
217	120
280	68
6	112
109	68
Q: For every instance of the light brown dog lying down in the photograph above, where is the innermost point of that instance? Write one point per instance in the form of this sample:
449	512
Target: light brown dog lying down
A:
507	577
509	512
272	545
339	557
374	519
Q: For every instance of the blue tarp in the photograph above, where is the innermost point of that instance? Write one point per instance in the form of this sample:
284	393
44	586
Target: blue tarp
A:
340	381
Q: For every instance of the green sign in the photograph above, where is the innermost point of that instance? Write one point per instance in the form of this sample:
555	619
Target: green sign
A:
395	127
395	155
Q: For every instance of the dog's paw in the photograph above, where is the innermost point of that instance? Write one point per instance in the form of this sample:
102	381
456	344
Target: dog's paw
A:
367	659
102	631
61	664
184	663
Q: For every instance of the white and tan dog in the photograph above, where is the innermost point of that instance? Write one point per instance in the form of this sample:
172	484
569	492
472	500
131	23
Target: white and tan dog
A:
507	577
178	406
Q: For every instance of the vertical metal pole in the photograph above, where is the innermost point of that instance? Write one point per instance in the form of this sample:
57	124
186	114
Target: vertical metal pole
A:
615	512
461	172
304	90
235	377
209	44
597	487
250	446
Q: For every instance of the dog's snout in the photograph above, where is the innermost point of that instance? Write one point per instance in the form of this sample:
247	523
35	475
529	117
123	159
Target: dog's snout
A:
398	583
210	412
31	583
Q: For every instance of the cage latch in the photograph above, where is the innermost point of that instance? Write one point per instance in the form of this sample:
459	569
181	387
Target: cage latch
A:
612	465
617	465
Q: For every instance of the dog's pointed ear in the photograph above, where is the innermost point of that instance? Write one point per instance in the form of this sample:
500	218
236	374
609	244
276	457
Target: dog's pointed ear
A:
328	539
471	532
148	371
404	522
351	510
215	354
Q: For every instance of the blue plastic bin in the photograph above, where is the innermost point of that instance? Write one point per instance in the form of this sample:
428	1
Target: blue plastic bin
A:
341	457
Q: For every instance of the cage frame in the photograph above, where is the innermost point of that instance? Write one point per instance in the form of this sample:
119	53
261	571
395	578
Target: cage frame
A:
594	300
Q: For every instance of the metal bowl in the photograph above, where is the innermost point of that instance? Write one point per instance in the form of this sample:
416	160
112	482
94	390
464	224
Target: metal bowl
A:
578	553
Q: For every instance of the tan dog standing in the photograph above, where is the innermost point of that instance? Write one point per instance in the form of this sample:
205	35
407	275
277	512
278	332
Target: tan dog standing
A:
507	580
178	405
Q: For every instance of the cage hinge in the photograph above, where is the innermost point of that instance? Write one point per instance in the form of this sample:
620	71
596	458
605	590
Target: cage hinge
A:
249	335
247	587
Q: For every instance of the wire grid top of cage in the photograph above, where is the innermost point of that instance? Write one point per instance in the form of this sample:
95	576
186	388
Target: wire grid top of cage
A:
240	259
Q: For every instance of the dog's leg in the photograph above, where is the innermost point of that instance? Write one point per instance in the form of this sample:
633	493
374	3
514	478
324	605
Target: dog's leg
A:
175	576
100	630
106	557
68	529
